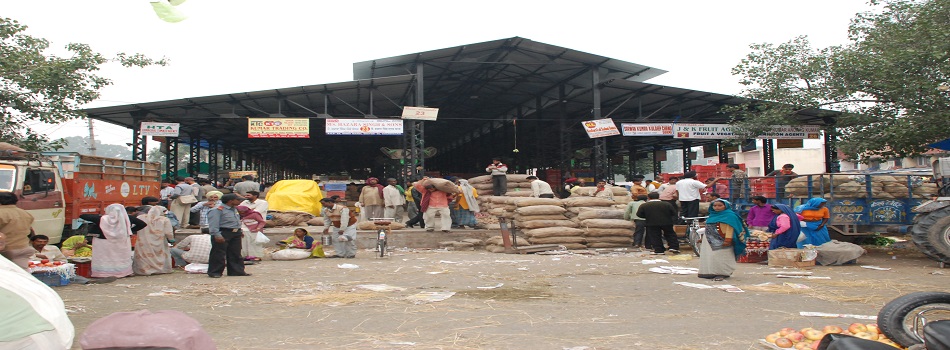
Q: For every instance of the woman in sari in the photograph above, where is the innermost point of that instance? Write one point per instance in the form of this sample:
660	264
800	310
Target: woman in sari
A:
113	254
465	207
784	227
254	221
302	240
151	248
722	243
76	246
816	216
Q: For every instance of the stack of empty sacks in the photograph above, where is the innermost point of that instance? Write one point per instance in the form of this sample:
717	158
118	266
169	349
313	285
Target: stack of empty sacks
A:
855	186
601	220
518	185
621	194
542	221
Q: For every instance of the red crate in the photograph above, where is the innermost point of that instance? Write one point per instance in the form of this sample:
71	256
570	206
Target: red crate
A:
84	269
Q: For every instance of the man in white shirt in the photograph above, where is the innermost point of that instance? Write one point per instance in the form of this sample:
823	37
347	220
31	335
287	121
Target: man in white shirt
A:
252	201
45	250
689	193
540	189
192	249
394	198
499	178
177	206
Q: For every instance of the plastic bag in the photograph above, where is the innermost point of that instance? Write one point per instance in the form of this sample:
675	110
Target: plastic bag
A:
196	268
262	238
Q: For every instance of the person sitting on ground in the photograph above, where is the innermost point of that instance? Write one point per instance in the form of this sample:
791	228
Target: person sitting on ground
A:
44	250
302	240
193	249
77	246
151	255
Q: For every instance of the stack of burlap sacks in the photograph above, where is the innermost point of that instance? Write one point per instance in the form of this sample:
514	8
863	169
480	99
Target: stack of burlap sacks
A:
882	187
518	185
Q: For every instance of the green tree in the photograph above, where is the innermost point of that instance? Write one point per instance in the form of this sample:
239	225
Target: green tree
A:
885	85
36	86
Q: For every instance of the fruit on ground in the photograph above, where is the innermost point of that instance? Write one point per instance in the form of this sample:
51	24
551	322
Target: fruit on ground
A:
784	342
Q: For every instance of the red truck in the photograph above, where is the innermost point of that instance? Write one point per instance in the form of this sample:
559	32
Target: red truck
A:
56	187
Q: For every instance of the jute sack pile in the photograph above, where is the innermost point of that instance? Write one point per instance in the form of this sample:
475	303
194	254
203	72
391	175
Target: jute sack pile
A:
617	191
496	244
516	183
288	218
607	233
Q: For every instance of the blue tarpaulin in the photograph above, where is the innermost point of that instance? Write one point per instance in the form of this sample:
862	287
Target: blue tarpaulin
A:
944	145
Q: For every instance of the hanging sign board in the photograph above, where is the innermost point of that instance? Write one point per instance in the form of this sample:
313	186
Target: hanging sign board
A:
159	129
724	131
420	113
364	127
240	174
278	128
600	128
653	129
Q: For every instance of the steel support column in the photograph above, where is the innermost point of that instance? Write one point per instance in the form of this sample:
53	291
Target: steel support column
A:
171	157
226	158
212	159
832	164
138	140
632	148
657	166
566	149
723	155
600	144
687	161
414	136
768	155
194	161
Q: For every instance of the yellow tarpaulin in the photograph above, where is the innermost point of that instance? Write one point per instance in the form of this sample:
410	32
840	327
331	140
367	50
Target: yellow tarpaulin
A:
295	195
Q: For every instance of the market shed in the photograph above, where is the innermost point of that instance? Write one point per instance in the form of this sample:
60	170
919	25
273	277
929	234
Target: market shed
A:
493	98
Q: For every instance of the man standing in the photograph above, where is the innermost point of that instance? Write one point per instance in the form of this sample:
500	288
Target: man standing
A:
181	206
417	202
193	249
249	244
688	190
760	214
343	223
782	178
659	218
540	189
371	199
637	189
499	178
252	201
16	224
395	200
631	215
435	202
737	182
248	184
224	223
204	186
668	192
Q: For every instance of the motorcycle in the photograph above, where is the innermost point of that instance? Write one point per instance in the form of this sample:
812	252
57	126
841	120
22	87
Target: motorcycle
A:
918	321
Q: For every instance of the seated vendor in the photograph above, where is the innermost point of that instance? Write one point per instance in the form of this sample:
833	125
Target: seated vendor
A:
301	239
45	250
77	246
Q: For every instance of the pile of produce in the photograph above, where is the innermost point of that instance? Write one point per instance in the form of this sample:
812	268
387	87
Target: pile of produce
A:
855	186
44	263
808	338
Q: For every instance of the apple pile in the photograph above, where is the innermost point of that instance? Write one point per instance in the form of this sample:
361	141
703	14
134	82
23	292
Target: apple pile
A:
45	263
808	338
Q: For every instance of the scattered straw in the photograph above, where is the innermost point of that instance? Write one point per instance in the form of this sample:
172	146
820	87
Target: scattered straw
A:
328	298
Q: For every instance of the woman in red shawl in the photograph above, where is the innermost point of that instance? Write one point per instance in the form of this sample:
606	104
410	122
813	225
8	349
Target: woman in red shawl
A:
371	199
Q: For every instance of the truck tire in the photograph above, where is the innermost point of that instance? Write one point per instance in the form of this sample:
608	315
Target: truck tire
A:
931	234
896	319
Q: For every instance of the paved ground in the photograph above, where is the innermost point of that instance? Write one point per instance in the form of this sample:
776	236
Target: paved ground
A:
607	301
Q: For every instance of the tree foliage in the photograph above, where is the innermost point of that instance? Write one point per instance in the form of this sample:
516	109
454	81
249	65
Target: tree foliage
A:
36	86
884	86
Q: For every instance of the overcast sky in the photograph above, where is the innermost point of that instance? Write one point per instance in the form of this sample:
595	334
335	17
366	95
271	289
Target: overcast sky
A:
230	46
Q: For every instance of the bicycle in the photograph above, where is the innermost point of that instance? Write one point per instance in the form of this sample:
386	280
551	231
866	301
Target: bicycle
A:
383	229
692	236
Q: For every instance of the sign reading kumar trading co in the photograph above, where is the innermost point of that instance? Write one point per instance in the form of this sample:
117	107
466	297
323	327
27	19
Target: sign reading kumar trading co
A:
280	128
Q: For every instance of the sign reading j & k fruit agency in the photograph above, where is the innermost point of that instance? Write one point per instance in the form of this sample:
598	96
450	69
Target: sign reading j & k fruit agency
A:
647	129
724	131
600	128
278	128
364	127
159	129
420	113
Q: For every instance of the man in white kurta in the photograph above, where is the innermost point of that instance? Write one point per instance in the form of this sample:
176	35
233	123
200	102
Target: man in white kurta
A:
395	201
249	244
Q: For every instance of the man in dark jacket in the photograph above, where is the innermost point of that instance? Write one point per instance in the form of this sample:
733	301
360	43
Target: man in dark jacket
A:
659	217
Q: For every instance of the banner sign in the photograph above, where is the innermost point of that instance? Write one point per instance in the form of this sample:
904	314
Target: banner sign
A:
240	174
652	129
724	131
278	128
364	127
159	129
600	128
420	113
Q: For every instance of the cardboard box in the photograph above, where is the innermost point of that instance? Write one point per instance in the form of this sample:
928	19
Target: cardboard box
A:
789	258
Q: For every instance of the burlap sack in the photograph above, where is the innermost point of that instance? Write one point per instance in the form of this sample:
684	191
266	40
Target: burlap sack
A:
521	193
548	223
558	240
484	179
540	210
539	217
495	248
521	185
608	232
482	188
606	223
315	222
897	190
573	246
600	214
609	245
610	239
496	211
4	146
497	240
623	200
442	185
583	192
527	202
926	189
619	191
587	202
518	178
554	232
499	200
509	207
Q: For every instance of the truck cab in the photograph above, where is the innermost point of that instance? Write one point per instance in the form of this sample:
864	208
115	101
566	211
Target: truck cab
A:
40	192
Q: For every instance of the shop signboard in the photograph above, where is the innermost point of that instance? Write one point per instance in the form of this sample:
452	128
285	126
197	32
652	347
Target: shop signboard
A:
647	129
240	174
600	128
159	129
278	128
420	113
364	127
724	131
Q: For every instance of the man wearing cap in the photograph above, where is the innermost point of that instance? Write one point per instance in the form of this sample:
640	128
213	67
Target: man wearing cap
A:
336	217
224	224
499	180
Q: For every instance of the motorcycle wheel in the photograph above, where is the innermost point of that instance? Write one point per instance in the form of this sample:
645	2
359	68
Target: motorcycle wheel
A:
898	318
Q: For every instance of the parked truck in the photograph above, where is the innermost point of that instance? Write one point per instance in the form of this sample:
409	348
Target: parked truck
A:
56	187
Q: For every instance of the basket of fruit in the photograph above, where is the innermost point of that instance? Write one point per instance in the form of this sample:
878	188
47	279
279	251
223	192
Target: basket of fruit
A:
52	273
